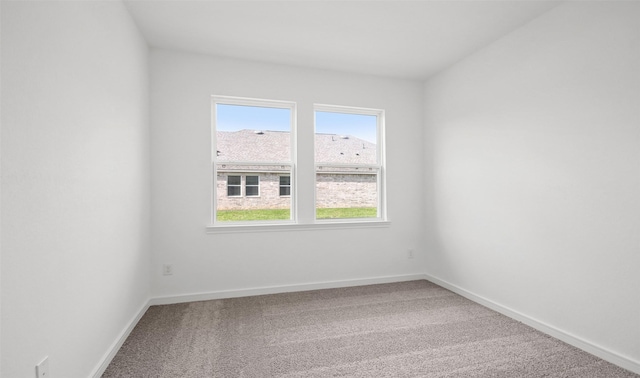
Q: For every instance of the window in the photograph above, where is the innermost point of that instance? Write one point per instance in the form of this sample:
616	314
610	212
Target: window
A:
253	146
233	186
254	165
252	186
285	185
349	162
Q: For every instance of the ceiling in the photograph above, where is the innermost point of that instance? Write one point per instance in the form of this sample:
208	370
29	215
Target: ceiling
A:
402	39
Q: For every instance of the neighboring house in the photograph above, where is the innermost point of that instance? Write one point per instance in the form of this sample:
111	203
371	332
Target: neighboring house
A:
242	185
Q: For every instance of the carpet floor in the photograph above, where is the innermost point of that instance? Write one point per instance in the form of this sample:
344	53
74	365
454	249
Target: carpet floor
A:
408	329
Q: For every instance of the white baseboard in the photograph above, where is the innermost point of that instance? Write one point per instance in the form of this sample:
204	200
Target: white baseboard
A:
589	347
117	344
196	297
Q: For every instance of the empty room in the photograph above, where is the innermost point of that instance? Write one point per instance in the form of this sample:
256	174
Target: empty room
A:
319	188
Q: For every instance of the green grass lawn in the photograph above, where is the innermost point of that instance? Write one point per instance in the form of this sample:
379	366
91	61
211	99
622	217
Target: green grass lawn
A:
251	215
341	213
278	214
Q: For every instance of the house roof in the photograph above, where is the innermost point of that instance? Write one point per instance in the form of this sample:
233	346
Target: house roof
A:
274	146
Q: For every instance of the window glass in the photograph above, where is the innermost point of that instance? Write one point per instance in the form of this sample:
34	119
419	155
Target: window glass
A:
285	185
346	138
253	133
347	164
252	186
253	147
233	186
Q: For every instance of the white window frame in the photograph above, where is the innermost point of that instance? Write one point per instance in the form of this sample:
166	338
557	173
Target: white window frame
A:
239	186
280	186
380	165
246	186
308	221
244	101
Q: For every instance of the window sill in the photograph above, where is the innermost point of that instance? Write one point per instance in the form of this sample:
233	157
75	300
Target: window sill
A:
279	227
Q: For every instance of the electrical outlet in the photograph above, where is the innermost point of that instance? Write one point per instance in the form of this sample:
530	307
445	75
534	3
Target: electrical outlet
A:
167	269
410	254
42	369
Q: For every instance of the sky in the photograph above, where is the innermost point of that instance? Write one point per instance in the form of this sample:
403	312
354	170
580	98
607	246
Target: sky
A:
237	117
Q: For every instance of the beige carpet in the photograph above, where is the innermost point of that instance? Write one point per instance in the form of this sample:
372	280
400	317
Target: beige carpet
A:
409	329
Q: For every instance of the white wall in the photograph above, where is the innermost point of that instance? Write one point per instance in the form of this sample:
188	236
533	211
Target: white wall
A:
75	183
0	195
182	85
535	166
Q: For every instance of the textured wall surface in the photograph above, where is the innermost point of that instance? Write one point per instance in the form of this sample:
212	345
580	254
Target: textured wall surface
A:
75	183
340	190
181	89
534	157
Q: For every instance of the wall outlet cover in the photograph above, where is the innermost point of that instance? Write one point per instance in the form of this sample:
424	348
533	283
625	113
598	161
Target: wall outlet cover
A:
42	369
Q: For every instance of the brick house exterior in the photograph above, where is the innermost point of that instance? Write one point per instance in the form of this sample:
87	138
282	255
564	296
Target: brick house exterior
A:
241	185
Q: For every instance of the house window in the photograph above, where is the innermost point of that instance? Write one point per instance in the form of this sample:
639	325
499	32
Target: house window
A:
254	164
253	146
234	186
252	186
349	163
285	185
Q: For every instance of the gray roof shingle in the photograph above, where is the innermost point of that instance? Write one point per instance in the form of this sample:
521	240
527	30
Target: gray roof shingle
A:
274	146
